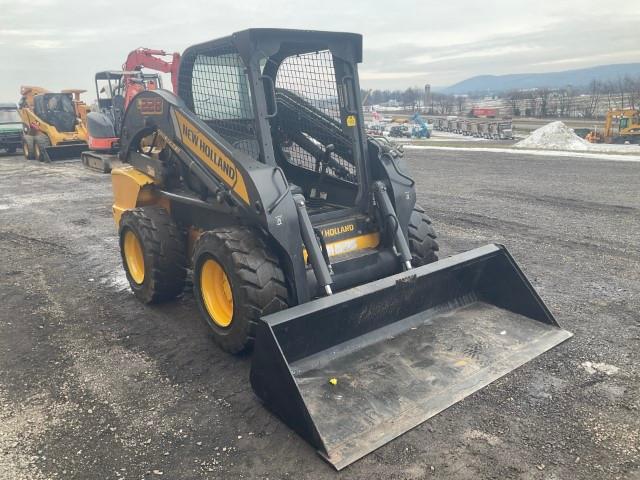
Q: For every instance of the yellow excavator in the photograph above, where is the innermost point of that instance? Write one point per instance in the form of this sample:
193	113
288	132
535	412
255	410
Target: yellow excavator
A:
621	126
53	123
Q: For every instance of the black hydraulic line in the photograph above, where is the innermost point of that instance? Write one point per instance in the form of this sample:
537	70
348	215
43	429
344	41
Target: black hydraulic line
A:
323	248
389	215
320	267
395	167
184	199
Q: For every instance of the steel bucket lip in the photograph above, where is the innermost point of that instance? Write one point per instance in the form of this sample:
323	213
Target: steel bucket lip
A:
322	303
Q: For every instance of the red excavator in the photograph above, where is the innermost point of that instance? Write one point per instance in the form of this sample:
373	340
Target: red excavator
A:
114	90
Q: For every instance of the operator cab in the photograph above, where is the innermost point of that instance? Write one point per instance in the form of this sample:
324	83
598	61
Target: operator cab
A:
56	109
288	101
110	85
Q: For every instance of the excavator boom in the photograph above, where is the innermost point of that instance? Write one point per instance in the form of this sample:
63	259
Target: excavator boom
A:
149	58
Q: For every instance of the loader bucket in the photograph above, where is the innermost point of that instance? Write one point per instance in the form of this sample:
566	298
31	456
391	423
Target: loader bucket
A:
354	370
63	152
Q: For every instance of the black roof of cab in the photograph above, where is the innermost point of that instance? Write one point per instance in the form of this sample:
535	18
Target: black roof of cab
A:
268	41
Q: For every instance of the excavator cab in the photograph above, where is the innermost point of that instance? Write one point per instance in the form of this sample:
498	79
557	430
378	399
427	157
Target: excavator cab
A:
115	89
306	243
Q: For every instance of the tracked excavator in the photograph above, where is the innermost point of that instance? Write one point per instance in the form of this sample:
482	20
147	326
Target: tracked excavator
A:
114	91
304	242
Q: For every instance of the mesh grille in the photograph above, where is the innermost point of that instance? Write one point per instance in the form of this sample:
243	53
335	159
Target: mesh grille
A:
309	114
222	98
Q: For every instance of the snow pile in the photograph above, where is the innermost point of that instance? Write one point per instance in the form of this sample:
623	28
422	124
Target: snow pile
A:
554	136
557	136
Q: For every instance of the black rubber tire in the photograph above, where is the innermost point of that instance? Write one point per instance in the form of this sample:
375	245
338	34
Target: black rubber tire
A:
164	252
422	238
11	150
40	148
257	283
28	145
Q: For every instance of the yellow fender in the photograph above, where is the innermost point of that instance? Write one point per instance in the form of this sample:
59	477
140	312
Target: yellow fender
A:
131	189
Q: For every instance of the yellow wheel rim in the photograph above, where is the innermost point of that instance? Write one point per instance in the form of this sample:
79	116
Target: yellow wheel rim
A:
134	256
216	293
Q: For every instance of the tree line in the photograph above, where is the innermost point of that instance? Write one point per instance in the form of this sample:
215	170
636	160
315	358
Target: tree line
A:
590	101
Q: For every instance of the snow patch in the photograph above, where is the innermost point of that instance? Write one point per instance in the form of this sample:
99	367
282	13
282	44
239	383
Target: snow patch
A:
543	153
557	136
605	368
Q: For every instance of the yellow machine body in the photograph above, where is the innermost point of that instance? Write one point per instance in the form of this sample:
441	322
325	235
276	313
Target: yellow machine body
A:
63	139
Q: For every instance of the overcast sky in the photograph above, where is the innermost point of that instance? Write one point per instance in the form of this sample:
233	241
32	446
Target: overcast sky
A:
61	44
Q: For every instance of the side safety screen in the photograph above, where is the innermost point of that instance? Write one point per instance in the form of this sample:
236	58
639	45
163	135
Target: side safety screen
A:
309	124
222	98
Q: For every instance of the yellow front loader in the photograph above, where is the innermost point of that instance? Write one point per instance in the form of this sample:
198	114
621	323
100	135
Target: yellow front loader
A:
53	123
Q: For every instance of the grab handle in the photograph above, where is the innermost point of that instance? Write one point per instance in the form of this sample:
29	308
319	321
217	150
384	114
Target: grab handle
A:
272	90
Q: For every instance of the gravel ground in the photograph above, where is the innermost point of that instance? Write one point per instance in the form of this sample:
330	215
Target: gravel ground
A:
95	385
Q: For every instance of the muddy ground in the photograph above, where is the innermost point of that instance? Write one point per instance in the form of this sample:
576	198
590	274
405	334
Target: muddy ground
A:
94	385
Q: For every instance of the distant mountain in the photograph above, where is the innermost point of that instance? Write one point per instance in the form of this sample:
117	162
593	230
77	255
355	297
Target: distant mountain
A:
577	78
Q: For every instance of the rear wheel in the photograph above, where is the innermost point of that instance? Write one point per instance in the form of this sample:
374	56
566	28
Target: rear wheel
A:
236	280
153	253
422	238
42	142
28	144
11	150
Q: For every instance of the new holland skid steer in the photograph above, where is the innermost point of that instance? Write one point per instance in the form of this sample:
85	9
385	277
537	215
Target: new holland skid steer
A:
304	241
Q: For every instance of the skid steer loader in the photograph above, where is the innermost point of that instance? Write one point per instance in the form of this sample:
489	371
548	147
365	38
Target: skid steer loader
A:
305	242
52	123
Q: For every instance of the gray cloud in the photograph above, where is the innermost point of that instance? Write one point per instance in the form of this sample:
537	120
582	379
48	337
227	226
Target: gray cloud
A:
61	44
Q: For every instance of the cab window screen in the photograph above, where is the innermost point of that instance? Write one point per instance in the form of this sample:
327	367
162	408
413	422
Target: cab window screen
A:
222	98
220	88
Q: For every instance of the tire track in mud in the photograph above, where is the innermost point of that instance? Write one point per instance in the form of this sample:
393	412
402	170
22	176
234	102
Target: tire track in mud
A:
522	231
559	202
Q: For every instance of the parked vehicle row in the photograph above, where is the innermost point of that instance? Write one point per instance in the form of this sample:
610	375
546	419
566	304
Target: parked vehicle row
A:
481	128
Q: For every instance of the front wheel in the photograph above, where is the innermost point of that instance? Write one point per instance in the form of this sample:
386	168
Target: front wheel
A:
28	145
236	280
42	142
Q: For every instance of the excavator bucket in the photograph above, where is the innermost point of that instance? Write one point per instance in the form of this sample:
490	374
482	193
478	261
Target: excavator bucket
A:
65	151
352	371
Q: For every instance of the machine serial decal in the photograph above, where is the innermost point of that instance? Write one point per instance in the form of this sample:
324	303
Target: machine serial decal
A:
149	106
206	150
